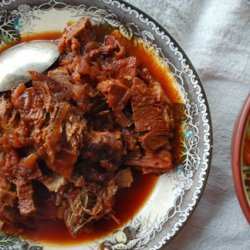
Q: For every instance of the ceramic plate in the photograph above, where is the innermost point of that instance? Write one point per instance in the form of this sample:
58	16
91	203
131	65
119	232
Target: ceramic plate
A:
176	193
241	157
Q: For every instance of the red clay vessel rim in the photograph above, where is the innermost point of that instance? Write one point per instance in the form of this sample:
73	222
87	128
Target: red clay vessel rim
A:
238	133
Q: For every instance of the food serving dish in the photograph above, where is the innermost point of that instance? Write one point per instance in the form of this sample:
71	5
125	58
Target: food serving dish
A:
176	193
240	160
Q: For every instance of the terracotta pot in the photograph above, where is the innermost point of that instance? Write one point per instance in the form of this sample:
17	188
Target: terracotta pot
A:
237	157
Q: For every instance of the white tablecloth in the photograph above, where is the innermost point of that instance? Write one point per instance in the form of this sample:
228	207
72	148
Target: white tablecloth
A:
215	34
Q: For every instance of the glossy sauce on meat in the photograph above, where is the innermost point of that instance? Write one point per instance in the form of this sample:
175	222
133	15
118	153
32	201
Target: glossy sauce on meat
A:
128	200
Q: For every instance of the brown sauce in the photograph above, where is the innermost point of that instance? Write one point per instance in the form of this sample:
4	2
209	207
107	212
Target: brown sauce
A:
128	203
129	200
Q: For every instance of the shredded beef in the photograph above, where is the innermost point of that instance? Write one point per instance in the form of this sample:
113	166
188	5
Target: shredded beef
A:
25	198
7	203
117	94
124	178
158	162
78	130
104	147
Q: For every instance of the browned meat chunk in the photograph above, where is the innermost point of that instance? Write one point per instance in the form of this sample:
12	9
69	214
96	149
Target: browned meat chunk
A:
124	68
7	197
60	152
116	92
30	105
117	95
61	90
147	111
80	93
103	120
7	218
77	35
54	183
95	174
25	199
61	75
154	139
132	147
105	148
151	116
124	178
110	45
153	162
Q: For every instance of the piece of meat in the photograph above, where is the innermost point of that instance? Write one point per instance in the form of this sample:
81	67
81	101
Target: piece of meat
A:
102	121
8	118
25	198
93	173
152	115
155	139
90	46
61	75
58	140
30	105
145	75
7	219
9	162
124	178
75	211
109	196
116	93
159	162
52	134
98	61
12	166
84	65
7	197
75	126
61	90
62	139
82	95
104	147
125	68
122	119
110	45
95	57
98	103
147	111
131	140
54	183
75	68
81	33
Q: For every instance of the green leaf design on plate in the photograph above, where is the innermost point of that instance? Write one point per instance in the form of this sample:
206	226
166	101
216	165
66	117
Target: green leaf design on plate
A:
8	32
16	243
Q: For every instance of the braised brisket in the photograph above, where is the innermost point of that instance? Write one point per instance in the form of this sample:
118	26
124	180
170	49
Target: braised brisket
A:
79	130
